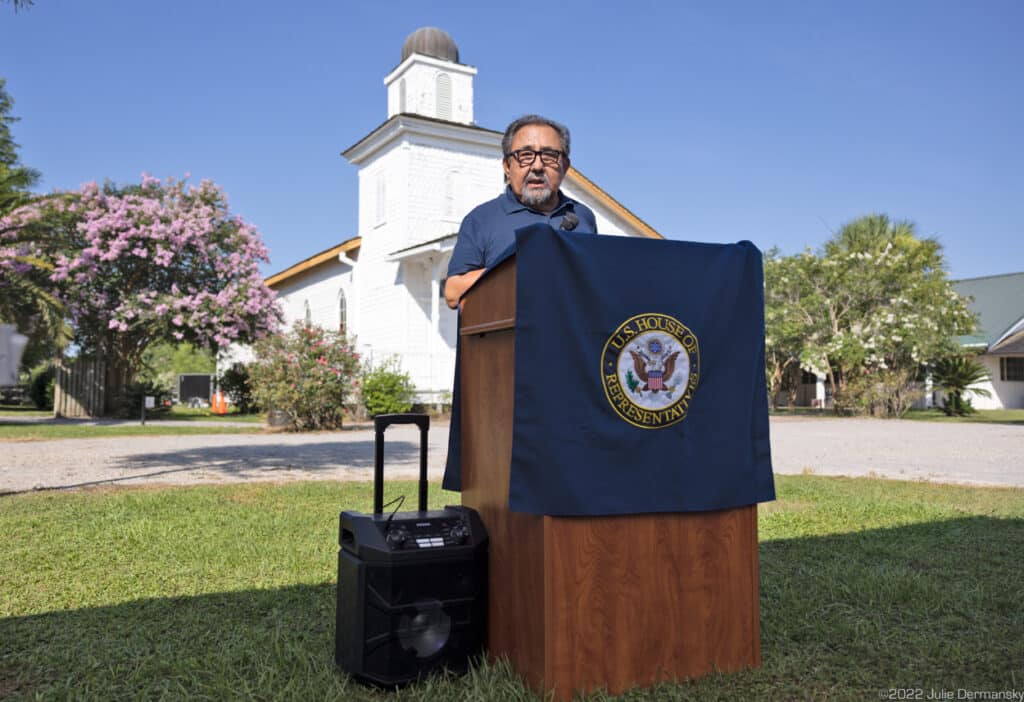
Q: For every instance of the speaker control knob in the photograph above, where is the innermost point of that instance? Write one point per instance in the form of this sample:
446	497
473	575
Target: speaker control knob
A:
459	532
396	537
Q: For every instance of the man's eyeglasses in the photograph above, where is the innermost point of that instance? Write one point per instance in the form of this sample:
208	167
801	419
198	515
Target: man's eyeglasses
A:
526	157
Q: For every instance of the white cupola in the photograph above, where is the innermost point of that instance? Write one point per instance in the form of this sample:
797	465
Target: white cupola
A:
429	80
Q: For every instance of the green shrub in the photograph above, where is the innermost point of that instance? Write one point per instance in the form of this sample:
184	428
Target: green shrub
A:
40	385
305	375
387	389
881	392
957	405
957	377
237	385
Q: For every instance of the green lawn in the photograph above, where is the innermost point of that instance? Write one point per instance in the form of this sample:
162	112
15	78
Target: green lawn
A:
784	411
176	413
185	414
43	432
176	421
22	411
1003	416
228	593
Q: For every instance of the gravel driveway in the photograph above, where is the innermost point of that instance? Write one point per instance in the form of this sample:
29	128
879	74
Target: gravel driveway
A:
985	454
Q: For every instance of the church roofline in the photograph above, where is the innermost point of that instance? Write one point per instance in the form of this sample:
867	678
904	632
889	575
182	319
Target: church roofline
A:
592	189
419	124
315	260
441	243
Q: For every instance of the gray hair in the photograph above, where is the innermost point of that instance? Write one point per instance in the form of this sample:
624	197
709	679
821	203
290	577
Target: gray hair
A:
526	120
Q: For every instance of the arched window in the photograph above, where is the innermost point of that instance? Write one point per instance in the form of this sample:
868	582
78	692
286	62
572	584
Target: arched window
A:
342	312
444	96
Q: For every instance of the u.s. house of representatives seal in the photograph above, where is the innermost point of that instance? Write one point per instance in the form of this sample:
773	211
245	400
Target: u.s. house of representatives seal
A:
650	367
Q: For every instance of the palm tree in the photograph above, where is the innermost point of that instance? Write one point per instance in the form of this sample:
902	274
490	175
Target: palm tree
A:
21	4
956	376
27	298
29	302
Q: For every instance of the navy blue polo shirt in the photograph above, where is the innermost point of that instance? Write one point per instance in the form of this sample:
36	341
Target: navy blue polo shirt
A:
490	229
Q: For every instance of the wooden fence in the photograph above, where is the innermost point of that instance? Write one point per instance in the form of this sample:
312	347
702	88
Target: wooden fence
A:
80	388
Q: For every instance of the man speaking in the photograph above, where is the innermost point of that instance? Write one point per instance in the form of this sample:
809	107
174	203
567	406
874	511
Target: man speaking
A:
535	157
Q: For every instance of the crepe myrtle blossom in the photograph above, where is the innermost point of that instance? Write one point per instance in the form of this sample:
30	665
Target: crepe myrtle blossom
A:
159	260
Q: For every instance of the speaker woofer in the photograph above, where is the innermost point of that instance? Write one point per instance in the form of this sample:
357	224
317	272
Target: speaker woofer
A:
427	630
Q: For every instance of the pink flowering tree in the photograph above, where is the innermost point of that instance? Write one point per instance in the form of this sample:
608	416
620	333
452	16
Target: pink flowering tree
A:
159	261
308	375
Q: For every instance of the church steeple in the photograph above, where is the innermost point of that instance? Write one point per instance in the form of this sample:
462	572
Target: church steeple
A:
429	80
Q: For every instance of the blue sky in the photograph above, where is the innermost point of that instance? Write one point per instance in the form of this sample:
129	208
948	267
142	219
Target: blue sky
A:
775	122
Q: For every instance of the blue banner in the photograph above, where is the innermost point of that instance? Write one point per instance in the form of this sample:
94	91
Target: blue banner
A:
639	376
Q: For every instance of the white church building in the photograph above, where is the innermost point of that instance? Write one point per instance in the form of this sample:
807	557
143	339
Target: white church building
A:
420	172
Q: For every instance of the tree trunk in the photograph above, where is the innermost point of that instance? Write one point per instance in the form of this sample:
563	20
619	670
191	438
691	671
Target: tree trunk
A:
776	385
117	383
793	375
837	389
120	373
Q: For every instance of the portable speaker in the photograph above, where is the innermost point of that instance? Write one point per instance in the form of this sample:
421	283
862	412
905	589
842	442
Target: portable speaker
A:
412	586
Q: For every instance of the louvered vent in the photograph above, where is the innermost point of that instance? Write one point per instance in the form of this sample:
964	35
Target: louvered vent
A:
444	96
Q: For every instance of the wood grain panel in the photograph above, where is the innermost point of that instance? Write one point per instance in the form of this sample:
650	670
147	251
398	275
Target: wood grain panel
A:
631	600
754	588
492	298
516	557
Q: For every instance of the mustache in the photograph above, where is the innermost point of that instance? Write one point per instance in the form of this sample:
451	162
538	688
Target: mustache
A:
537	176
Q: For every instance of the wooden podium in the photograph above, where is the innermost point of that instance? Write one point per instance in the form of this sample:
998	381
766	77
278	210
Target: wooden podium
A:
578	603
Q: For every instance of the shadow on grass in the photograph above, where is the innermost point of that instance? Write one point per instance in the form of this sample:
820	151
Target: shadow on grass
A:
929	604
936	605
228	643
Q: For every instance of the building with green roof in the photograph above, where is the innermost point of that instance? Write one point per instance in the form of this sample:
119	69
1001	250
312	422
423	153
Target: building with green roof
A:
998	300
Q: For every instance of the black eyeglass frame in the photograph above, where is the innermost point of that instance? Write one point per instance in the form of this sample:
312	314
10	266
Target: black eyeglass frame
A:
546	156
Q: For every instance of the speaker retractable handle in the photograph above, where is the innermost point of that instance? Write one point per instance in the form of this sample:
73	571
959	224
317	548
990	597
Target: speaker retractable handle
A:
382	422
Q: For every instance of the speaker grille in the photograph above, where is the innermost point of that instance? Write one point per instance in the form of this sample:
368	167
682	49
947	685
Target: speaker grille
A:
398	622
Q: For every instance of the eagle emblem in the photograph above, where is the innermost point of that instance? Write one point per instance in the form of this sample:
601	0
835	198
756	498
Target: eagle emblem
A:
653	372
650	368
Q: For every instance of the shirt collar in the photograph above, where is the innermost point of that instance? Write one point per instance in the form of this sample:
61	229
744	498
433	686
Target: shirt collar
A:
510	203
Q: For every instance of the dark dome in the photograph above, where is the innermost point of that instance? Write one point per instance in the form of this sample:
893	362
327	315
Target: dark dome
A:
431	41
